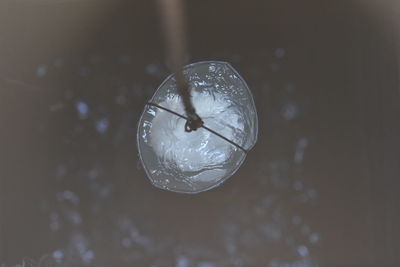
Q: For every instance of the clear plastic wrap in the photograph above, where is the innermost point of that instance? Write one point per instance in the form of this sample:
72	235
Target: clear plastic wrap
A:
192	162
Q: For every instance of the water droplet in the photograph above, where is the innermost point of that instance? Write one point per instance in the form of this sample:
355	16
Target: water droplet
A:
312	194
69	196
296	220
126	242
58	255
61	170
290	87
290	111
54	222
313	238
274	67
41	71
305	229
182	262
302	250
124	59
58	63
83	71
83	109
151	68
56	107
298	185
280	52
94	59
88	256
74	217
102	125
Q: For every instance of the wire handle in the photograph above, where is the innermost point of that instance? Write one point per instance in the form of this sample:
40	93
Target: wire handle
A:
173	22
202	125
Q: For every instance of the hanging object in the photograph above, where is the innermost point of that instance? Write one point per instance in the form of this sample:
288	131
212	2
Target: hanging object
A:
182	160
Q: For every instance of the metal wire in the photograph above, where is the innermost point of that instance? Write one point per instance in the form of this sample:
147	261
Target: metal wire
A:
202	126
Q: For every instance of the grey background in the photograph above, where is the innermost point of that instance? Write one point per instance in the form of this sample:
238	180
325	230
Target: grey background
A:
320	188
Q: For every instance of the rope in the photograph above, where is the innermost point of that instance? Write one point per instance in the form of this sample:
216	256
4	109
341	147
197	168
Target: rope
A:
172	12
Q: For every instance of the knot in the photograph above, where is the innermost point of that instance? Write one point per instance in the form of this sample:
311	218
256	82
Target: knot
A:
193	123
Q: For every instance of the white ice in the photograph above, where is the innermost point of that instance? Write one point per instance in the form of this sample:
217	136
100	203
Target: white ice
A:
200	149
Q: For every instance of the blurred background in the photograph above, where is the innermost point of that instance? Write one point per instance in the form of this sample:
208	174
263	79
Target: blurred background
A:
320	188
